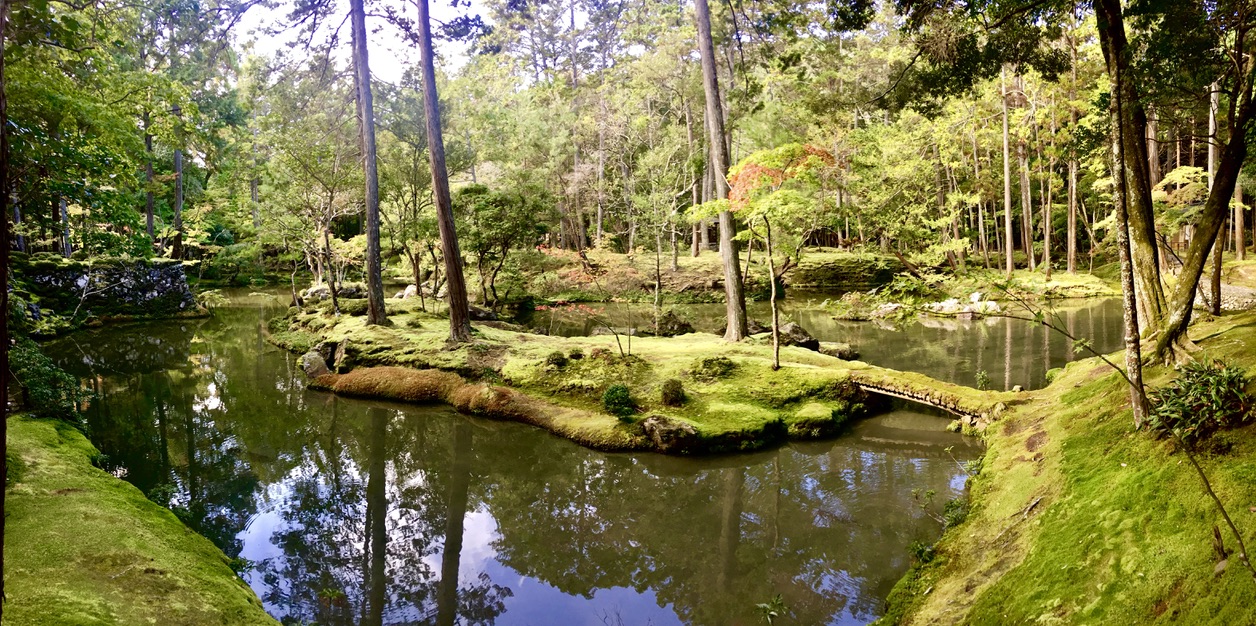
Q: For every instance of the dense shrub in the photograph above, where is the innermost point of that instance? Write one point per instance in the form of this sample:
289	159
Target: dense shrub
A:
672	393
712	368
576	354
618	402
49	390
1204	398
556	359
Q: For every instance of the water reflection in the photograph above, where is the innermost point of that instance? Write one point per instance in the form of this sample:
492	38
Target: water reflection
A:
370	513
1010	351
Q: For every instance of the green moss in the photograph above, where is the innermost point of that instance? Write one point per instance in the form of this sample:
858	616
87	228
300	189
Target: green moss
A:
1078	518
734	400
83	547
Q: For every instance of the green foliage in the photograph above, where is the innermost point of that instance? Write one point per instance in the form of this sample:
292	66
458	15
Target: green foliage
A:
672	393
773	609
617	400
50	390
1204	398
211	299
712	368
922	552
954	512
556	359
983	380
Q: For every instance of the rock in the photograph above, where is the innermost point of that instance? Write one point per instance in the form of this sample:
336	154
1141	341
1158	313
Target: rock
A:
886	310
671	325
976	297
481	314
670	435
946	307
842	351
410	292
1017	388
794	335
343	361
104	287
347	291
985	307
753	327
313	365
1220	568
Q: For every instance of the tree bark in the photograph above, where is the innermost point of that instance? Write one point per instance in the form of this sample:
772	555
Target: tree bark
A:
734	295
1240	228
1149	291
375	313
4	291
456	284
1007	182
148	179
1108	23
176	249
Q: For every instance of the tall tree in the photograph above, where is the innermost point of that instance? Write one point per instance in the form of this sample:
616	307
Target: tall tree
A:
734	293
375	313
456	284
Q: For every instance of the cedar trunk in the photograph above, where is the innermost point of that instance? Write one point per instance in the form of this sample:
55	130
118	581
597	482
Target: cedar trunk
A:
456	284
375	313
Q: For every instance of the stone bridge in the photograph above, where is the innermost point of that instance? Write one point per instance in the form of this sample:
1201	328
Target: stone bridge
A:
968	404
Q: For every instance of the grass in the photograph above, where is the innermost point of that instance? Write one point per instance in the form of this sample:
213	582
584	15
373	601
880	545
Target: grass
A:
1078	519
83	547
747	407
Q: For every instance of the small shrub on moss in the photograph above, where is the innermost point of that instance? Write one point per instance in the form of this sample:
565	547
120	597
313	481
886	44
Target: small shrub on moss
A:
356	307
954	512
672	392
599	353
576	354
712	368
556	359
618	402
921	551
1204	398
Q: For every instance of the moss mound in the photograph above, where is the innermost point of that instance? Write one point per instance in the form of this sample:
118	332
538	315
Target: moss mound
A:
83	547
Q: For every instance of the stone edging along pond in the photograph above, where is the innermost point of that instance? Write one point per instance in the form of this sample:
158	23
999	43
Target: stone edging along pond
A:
732	399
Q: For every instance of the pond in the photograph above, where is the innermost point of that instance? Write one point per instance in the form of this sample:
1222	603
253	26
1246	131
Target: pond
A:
1010	351
354	512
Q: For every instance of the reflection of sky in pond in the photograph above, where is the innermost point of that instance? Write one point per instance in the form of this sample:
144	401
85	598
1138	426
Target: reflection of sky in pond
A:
293	481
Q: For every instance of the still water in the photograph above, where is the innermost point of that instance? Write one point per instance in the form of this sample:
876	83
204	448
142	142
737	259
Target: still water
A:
356	512
1009	351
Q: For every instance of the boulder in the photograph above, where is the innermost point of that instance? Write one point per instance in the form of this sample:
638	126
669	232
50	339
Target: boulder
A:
481	314
753	327
794	335
671	325
313	365
886	310
842	351
670	435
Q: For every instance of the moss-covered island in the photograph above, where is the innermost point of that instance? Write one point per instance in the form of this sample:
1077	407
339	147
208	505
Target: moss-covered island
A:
730	397
1076	518
84	547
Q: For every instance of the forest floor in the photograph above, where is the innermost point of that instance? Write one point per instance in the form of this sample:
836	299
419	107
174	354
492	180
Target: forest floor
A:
1076	517
85	547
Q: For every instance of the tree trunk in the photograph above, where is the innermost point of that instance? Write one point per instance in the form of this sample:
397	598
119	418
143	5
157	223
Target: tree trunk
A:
1148	289
375	313
1153	148
1027	205
176	249
734	295
4	291
776	316
148	179
1007	182
1240	228
377	514
459	308
1108	18
66	250
981	215
1072	166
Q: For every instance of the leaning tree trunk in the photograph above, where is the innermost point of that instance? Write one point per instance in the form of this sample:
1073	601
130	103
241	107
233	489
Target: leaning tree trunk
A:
375	313
734	295
456	284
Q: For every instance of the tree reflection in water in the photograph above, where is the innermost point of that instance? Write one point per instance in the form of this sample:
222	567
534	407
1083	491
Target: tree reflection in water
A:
368	513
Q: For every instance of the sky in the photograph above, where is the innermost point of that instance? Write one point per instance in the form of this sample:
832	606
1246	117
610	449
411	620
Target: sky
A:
389	54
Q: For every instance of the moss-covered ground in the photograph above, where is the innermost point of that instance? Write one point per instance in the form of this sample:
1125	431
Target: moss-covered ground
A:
1076	518
734	400
85	548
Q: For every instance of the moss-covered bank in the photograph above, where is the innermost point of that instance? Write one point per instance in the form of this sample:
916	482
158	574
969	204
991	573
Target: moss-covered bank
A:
732	399
1078	519
83	547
